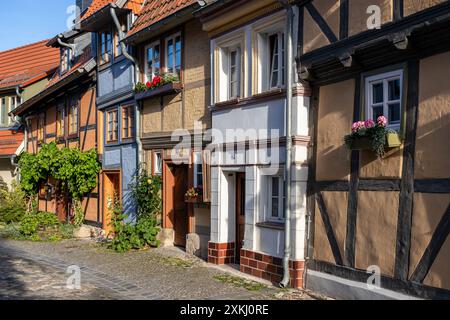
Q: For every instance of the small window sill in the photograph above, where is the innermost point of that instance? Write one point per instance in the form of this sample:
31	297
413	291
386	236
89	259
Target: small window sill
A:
271	225
256	98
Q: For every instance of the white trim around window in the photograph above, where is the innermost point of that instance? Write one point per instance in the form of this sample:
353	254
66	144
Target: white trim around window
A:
384	96
152	51
276	198
173	58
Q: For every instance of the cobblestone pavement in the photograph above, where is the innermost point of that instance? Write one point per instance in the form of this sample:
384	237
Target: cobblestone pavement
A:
31	270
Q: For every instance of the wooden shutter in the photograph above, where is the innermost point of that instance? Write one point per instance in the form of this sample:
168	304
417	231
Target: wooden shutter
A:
206	167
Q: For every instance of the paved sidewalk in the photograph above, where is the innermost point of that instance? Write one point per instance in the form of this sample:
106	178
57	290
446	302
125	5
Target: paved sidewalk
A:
31	270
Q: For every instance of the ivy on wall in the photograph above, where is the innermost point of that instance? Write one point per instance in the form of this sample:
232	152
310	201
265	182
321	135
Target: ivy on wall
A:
75	171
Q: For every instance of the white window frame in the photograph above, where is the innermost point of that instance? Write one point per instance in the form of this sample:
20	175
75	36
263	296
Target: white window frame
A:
384	78
262	30
166	53
238	67
156	170
281	198
198	160
281	55
4	105
152	45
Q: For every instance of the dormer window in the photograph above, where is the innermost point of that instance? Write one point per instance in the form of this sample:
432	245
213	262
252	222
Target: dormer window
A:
104	46
66	57
117	46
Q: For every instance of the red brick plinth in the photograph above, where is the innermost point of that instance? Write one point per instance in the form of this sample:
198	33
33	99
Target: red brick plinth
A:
221	253
271	268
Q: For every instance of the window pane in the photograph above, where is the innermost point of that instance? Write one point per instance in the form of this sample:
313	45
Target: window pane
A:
378	92
274	207
273	40
170	55
394	113
275	187
394	90
377	112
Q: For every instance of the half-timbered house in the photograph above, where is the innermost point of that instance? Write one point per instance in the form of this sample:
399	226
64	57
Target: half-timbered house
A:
376	218
23	72
116	78
170	44
64	111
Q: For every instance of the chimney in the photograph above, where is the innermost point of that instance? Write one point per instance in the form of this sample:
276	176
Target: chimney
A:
82	6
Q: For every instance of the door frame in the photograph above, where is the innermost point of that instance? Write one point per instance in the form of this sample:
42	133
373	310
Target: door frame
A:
168	220
240	181
106	183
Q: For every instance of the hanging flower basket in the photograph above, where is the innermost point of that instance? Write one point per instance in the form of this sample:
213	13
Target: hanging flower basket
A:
368	135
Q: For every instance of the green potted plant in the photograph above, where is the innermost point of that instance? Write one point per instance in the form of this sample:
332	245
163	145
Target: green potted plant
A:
368	135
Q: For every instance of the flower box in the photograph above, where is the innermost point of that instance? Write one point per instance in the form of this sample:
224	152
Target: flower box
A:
166	89
364	143
198	199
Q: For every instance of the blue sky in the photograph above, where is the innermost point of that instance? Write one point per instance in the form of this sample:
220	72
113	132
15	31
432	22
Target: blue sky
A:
27	21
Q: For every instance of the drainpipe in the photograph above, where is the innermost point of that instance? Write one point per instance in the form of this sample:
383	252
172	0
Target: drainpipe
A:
287	228
136	78
67	45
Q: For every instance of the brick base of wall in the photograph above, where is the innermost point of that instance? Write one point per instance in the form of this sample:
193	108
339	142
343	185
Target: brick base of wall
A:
221	253
271	268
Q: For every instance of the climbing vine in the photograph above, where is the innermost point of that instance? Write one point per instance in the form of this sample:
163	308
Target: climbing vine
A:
75	171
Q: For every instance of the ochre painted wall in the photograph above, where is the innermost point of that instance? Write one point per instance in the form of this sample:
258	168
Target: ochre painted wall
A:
413	6
376	230
428	212
313	36
358	15
336	204
335	116
433	127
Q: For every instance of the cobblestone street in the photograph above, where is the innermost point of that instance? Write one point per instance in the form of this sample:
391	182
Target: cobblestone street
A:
39	271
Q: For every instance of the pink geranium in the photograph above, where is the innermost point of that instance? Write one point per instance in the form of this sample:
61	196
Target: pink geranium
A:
358	126
382	121
369	123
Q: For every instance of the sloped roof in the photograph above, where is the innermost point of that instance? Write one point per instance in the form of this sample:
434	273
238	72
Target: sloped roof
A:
10	141
22	64
95	6
81	60
156	10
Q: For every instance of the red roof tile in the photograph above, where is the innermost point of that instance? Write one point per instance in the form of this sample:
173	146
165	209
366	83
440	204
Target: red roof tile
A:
22	64
10	141
95	6
156	10
135	5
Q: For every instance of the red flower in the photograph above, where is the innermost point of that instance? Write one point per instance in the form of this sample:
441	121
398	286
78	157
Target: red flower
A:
157	81
149	84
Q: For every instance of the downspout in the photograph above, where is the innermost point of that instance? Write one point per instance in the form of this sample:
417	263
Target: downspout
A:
136	79
288	174
67	45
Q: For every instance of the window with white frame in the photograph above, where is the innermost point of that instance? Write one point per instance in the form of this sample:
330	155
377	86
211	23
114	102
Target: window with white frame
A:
384	97
234	72
157	163
66	58
153	61
277	60
198	170
276	198
3	112
173	54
